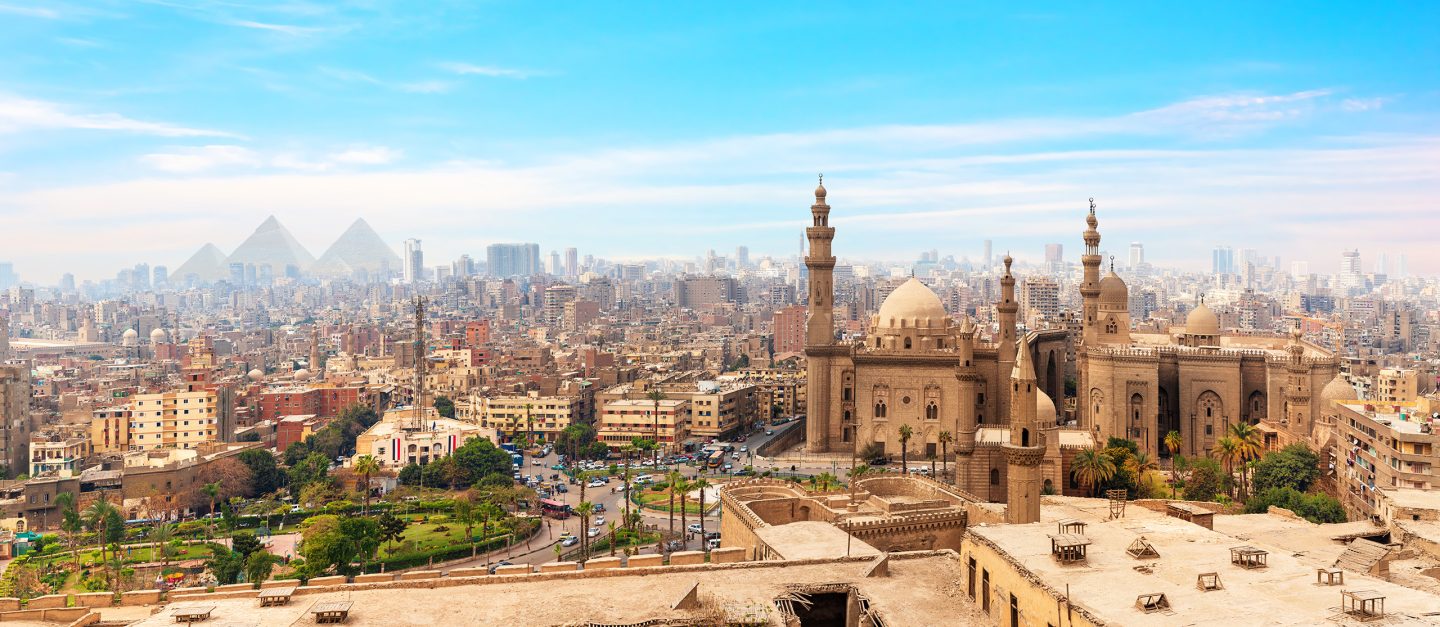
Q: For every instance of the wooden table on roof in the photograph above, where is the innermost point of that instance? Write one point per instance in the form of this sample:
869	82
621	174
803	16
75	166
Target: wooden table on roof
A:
1363	605
276	596
192	614
1068	547
331	611
1248	557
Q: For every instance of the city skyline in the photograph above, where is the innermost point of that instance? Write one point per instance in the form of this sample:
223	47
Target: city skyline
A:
126	129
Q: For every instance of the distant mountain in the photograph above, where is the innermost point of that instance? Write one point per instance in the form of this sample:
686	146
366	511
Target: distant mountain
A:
207	264
271	244
358	248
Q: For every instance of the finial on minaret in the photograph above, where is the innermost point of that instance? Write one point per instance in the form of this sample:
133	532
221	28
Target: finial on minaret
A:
1112	264
1008	260
1092	205
820	190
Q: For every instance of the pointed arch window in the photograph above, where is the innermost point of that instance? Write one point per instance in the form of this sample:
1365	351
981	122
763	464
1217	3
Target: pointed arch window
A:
880	409
907	343
932	411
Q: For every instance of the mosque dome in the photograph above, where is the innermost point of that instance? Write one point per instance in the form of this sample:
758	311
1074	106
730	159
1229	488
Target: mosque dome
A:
256	374
1202	321
1338	389
129	338
1113	291
1044	407
820	191
302	374
159	336
912	301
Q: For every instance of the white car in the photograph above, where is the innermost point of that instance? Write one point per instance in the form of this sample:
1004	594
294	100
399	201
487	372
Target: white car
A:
694	527
597	483
594	531
569	541
599	520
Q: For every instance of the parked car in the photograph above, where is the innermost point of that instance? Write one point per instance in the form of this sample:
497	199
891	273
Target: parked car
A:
560	487
497	565
712	535
744	449
879	461
769	432
713	544
599	507
569	541
593	532
599	520
694	527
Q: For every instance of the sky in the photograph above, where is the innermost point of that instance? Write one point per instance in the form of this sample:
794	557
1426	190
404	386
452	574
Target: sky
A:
139	131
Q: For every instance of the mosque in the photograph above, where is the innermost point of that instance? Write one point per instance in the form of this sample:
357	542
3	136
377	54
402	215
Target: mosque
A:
963	398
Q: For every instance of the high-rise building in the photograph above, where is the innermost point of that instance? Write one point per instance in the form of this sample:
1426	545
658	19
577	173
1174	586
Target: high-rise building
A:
510	260
693	292
463	267
140	278
1400	267
1350	279
1222	260
414	261
7	275
1137	255
742	257
788	328
555	268
15	419
1039	299
988	260
161	274
572	265
67	282
1382	265
1299	269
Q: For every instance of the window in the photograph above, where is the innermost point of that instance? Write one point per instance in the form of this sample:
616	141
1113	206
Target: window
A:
994	476
932	411
980	398
880	409
971	578
985	590
907	343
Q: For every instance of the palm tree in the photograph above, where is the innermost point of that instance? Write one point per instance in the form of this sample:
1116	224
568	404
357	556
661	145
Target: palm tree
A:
465	515
162	535
684	488
945	439
97	517
367	465
672	478
1227	450
1092	467
1248	438
905	433
211	490
625	453
1139	464
611	527
584	510
70	522
529	425
701	484
656	396
1173	442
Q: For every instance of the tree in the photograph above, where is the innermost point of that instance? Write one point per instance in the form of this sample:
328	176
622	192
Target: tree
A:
367	465
1249	446
479	457
392	528
334	542
672	478
232	477
1295	466
487	512
212	491
905	433
610	526
1092	467
700	485
100	517
1173	442
70	522
313	468
225	564
529	423
465	515
684	487
265	476
444	406
1139	464
245	543
656	396
162	535
1227	450
585	510
1204	480
259	566
945	439
1316	508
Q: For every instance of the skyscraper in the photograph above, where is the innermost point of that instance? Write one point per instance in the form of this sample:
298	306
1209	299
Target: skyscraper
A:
742	257
414	261
1222	260
1350	279
572	265
508	260
162	276
988	259
555	268
7	275
1137	255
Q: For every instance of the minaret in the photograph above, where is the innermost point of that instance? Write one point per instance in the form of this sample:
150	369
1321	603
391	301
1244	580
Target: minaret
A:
315	350
1026	448
1005	343
820	324
968	376
1090	287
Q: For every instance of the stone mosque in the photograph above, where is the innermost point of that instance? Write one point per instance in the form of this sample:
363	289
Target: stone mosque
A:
922	367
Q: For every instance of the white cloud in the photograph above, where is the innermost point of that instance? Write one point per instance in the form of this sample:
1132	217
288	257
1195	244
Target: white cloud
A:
468	69
285	29
427	87
414	87
369	155
29	11
1356	105
24	114
204	158
187	160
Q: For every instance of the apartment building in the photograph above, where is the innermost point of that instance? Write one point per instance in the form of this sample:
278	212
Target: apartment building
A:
174	419
110	429
546	416
1396	385
15	423
718	408
624	419
1385	447
56	455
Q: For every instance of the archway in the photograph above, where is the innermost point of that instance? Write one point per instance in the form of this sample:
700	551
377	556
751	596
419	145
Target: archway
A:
1255	407
1136	416
1210	420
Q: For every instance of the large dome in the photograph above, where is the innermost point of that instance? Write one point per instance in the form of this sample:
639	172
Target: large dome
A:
1202	321
158	336
914	302
1044	407
1113	291
1338	389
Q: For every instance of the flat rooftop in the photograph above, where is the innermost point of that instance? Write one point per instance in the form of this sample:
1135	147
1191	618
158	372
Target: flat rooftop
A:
1283	593
812	540
921	590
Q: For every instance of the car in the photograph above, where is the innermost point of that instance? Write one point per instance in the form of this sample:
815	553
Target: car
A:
674	545
600	507
537	463
555	476
560	487
599	520
769	432
569	541
518	476
879	461
694	527
497	565
712	544
593	532
729	467
618	489
597	483
557	467
712	535
744	449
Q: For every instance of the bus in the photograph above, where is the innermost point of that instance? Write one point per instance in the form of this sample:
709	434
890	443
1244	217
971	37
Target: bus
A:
716	458
554	509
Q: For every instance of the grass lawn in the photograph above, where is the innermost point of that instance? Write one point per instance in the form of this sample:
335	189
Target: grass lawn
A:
132	555
660	501
426	536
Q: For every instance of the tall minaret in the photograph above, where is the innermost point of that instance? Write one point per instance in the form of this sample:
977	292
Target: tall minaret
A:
1026	448
1005	343
820	325
968	376
1090	287
315	350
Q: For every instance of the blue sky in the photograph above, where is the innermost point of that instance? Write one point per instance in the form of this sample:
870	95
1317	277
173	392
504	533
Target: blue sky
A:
137	131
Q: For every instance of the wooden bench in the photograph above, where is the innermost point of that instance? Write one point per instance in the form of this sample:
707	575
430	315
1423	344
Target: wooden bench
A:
276	596
192	614
331	611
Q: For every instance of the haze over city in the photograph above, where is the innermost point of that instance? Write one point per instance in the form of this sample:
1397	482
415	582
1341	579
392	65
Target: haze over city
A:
133	132
384	313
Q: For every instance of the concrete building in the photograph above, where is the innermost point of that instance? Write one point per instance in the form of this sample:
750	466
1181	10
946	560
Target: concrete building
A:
1039	300
15	420
788	329
110	429
399	439
174	419
414	262
545	416
699	291
622	420
1396	385
1384	447
54	454
511	260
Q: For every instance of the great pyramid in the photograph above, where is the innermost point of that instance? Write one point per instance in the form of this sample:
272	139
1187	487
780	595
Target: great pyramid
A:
207	264
271	244
358	248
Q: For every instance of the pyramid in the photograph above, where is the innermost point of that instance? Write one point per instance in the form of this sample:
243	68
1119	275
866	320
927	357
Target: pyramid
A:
207	264
271	244
358	248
